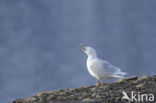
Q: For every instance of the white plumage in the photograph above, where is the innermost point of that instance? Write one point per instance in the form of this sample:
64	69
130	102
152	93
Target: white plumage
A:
100	69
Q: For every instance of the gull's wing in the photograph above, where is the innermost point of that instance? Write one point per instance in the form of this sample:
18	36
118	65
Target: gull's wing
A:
109	67
104	68
113	70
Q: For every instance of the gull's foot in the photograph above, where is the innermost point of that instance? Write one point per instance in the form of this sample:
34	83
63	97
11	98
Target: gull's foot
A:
101	85
97	84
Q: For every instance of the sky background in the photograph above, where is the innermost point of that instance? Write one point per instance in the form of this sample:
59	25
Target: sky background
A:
40	42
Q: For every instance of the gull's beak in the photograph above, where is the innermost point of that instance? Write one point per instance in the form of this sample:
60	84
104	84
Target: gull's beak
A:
82	50
84	46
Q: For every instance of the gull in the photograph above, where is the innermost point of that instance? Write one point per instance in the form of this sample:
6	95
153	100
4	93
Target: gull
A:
100	69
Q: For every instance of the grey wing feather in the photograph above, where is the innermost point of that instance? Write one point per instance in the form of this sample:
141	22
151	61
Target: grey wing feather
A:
104	68
110	68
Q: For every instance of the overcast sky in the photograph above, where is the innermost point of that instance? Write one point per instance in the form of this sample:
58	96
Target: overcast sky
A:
40	42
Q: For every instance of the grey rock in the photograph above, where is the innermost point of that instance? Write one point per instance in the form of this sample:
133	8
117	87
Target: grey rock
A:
131	78
142	78
30	98
140	85
111	93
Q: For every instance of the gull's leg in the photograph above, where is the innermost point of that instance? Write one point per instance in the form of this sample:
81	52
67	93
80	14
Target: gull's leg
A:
97	83
102	83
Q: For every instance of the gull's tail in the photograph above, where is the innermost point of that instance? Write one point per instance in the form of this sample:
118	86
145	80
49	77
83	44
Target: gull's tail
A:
119	74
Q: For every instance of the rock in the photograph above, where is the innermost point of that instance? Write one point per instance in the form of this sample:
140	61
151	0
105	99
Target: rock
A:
19	101
71	96
131	78
119	80
30	98
140	85
86	100
89	100
51	97
97	96
142	78
118	99
94	95
111	93
44	93
93	89
154	78
58	91
127	79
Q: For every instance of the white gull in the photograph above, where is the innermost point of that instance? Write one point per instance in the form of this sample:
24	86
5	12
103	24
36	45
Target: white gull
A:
100	69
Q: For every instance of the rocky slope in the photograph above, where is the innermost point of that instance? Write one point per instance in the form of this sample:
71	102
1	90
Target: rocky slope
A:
110	93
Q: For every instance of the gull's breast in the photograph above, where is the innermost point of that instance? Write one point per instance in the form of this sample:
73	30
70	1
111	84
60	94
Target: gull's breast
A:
95	68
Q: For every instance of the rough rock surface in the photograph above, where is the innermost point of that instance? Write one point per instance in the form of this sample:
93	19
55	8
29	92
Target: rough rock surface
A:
110	93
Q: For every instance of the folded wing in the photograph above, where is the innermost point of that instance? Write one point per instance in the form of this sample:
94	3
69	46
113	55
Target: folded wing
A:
105	69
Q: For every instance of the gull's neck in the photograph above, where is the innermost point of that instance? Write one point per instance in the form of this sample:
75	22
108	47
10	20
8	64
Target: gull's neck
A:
92	56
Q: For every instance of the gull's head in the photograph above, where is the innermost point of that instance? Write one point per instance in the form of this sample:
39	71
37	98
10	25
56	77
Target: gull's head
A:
88	50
